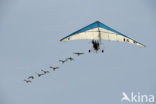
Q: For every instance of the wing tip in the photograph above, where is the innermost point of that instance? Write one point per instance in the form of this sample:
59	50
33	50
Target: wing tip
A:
144	46
61	40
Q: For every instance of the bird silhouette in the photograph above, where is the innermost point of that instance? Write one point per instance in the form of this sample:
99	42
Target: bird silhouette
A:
45	72
70	58
30	77
62	61
39	75
78	53
27	81
54	68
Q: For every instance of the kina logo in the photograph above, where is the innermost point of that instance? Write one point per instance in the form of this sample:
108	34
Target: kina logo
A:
137	98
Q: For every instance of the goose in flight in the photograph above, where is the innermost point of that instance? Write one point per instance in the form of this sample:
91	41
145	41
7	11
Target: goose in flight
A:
62	61
45	72
78	53
30	77
27	81
70	58
39	75
54	68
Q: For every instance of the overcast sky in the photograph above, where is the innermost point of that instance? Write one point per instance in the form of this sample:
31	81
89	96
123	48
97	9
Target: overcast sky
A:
30	31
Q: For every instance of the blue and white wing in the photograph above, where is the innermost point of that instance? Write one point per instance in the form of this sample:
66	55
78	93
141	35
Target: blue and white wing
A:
99	31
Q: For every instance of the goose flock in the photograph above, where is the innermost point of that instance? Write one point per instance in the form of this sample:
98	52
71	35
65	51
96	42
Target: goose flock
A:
51	68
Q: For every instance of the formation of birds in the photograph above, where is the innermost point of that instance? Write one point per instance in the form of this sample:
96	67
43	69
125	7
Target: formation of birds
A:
53	68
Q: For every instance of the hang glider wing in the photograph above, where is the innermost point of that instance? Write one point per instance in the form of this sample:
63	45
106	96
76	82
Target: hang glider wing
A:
99	31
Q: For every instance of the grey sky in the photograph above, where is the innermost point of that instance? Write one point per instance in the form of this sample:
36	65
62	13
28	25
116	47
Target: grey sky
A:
30	31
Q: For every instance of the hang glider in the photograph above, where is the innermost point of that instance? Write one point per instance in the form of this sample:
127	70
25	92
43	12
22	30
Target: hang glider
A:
99	31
